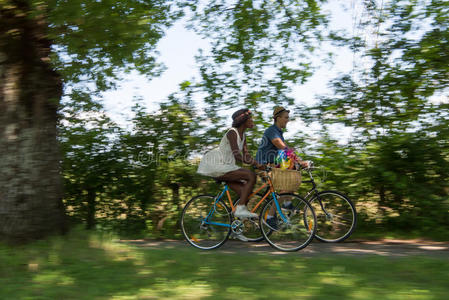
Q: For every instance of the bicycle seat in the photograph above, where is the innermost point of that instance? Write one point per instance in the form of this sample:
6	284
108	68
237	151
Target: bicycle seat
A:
219	181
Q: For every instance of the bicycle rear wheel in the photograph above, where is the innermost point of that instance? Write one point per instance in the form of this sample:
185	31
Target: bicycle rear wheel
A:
205	225
336	216
297	231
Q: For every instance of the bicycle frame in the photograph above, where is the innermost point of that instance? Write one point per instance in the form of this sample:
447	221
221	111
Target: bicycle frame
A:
313	191
226	190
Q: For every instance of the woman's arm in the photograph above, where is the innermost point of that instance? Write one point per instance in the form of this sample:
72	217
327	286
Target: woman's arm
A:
248	158
245	158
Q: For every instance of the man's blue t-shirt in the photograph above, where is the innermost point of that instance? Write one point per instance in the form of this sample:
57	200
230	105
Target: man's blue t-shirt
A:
267	151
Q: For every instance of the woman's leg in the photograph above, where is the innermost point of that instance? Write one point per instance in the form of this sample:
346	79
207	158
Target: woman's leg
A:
241	174
248	187
236	186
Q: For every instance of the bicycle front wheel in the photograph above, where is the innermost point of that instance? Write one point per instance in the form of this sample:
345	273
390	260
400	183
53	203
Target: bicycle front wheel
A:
294	232
336	216
205	225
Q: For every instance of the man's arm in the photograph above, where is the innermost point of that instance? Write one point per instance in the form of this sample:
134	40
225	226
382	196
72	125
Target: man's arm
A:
280	144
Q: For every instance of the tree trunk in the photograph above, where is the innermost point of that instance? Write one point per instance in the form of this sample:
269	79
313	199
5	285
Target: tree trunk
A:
382	201
91	195
30	186
175	187
176	201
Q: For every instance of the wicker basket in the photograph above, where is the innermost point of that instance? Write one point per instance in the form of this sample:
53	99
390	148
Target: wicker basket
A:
285	180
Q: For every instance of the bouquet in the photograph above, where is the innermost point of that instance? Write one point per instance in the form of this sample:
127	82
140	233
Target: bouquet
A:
286	159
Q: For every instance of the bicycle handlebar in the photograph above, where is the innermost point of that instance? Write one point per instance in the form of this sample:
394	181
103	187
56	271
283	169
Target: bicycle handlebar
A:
310	166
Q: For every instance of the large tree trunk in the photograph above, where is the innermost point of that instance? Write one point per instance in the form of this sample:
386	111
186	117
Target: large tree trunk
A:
30	186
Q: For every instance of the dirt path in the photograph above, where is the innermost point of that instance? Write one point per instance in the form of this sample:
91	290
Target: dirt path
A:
393	248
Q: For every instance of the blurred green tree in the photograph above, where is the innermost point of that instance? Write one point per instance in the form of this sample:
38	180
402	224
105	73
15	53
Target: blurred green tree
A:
259	50
45	45
397	104
89	164
157	153
406	65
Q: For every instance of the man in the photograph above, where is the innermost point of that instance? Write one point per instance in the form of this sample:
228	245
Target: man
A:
272	142
273	138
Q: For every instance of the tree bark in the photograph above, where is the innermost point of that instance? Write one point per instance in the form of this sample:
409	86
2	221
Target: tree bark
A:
175	198
91	195
30	90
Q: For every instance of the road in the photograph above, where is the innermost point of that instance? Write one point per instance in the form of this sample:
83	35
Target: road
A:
391	248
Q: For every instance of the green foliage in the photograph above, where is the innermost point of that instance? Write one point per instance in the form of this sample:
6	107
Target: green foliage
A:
95	40
410	173
158	150
259	50
88	164
409	64
398	183
130	181
394	166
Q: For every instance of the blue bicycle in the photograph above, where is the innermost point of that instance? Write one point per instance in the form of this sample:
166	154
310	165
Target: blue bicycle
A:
207	221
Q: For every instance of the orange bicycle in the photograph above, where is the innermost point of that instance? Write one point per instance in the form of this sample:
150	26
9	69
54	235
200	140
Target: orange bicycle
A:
207	221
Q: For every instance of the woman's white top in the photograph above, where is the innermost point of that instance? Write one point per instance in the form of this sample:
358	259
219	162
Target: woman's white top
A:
220	160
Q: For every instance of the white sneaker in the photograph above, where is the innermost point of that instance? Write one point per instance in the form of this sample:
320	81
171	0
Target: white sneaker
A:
239	236
241	211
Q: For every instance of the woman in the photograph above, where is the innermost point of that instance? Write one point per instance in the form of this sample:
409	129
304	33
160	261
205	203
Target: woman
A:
220	162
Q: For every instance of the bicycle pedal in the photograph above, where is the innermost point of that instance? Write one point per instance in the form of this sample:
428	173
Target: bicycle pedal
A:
246	218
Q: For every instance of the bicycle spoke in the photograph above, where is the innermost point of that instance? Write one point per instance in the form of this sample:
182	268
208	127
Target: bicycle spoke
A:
199	232
339	223
294	233
338	219
251	228
341	218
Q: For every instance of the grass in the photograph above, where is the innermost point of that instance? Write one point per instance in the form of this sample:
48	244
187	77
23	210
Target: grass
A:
92	266
379	232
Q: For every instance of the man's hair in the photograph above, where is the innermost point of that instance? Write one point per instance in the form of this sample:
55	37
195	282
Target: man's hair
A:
278	111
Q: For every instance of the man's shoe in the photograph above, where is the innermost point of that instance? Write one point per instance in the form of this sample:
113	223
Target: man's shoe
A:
272	223
287	206
242	212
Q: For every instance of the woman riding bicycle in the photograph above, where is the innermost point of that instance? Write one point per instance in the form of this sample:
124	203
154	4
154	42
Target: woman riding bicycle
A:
221	162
